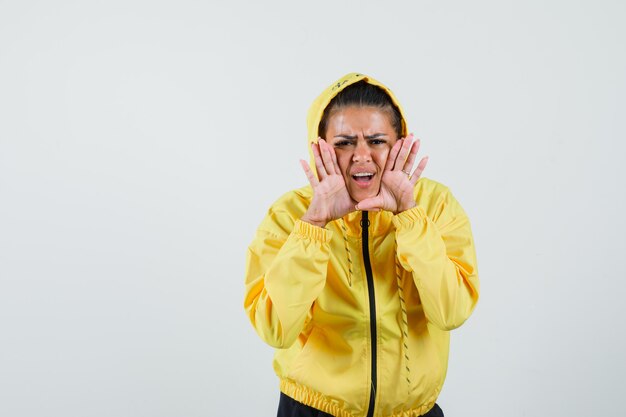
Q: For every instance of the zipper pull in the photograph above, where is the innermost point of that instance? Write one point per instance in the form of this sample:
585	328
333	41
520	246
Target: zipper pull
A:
365	221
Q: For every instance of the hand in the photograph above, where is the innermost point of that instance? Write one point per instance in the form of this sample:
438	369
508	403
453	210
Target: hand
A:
330	196
397	183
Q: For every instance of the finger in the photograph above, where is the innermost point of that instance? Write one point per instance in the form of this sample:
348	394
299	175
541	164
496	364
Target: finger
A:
319	164
327	157
393	153
370	204
408	165
309	173
335	162
404	152
418	171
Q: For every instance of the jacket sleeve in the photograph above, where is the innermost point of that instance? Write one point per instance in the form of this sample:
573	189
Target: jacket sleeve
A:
439	252
285	273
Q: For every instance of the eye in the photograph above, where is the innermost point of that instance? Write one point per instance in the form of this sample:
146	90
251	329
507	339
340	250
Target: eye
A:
377	141
343	143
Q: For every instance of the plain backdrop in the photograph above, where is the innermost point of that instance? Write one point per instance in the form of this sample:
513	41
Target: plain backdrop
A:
141	143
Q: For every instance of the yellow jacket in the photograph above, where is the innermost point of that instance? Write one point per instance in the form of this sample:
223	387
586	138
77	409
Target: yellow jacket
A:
355	310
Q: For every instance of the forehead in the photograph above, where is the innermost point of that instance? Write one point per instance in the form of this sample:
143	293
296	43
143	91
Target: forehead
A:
355	119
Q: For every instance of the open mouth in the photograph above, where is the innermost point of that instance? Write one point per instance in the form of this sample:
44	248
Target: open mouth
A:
363	178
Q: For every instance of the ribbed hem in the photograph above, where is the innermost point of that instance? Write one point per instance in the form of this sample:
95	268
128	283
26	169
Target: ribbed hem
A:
308	231
409	217
319	401
312	398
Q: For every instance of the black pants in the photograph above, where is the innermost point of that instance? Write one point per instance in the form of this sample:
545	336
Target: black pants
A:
288	407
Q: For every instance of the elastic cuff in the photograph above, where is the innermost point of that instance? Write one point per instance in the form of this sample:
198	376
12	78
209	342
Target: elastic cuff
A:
308	231
408	217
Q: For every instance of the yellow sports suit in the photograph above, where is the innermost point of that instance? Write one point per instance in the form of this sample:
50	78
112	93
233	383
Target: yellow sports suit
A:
362	307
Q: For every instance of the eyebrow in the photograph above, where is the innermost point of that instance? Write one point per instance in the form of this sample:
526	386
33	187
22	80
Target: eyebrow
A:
352	137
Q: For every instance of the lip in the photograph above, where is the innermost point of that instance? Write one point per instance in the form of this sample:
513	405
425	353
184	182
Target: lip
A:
362	169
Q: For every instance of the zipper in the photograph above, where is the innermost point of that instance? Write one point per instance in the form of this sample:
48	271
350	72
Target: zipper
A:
370	290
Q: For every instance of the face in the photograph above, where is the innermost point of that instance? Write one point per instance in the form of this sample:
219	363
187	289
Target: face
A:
362	138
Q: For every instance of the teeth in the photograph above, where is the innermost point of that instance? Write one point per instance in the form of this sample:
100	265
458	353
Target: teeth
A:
363	174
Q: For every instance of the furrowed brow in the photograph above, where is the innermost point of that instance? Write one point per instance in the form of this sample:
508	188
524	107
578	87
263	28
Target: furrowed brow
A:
375	136
345	137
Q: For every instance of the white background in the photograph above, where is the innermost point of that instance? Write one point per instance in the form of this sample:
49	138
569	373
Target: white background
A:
141	143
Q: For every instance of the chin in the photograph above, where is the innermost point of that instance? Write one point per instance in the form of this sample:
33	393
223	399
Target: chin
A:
360	195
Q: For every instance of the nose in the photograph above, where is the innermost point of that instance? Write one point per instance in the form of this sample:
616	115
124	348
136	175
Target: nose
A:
362	152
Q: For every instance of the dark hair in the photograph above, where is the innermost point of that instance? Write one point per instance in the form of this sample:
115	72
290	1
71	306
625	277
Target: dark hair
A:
362	94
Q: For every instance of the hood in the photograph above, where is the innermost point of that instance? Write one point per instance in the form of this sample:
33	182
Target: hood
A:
316	111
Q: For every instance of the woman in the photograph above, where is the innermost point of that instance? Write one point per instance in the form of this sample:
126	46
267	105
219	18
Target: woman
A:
357	279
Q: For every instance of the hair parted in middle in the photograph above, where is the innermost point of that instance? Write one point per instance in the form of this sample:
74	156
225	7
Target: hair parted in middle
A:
362	94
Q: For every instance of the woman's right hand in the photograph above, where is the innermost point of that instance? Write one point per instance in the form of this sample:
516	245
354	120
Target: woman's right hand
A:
331	199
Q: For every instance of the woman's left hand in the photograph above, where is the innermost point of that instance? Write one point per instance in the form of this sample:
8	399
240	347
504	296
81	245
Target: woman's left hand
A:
396	189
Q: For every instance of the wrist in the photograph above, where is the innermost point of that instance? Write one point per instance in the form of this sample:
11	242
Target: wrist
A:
405	207
317	223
